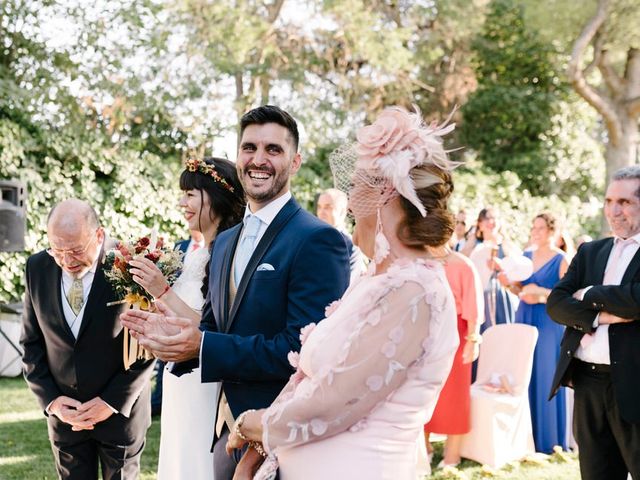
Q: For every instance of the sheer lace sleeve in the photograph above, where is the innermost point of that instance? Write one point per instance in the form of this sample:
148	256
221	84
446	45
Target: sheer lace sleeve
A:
398	328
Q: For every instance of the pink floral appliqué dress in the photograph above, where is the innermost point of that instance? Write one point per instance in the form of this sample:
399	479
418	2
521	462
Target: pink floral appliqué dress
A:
367	380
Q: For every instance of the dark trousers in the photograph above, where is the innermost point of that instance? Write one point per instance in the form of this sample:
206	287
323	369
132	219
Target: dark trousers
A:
80	461
609	446
224	466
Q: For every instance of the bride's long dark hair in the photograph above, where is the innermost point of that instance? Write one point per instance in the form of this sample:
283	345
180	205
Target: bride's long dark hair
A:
225	205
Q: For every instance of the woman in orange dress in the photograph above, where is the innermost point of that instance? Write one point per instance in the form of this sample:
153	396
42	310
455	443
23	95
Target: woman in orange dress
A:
452	413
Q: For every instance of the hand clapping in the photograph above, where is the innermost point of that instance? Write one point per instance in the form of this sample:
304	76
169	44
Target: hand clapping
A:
168	337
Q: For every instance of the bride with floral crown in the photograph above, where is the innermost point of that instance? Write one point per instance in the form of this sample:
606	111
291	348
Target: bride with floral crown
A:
212	201
368	376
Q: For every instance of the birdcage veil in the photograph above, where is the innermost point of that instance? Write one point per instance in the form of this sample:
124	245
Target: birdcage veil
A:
386	160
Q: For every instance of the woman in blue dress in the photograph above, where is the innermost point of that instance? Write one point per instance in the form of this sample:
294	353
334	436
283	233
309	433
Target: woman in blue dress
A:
549	418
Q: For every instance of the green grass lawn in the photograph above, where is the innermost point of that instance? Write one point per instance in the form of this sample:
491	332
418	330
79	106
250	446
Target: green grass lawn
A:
25	453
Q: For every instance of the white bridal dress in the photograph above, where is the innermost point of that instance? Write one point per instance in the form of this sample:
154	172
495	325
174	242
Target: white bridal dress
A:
188	413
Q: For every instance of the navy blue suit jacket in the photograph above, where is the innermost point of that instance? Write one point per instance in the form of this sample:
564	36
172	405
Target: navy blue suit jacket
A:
246	344
182	245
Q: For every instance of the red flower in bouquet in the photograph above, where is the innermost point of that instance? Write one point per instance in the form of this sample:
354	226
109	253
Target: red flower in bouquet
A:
117	266
142	244
154	256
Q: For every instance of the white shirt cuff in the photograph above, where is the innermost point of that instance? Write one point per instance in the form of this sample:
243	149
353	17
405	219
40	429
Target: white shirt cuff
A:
200	354
584	292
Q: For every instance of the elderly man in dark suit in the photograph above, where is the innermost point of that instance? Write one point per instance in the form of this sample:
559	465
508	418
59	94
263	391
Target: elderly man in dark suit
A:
599	302
270	276
97	413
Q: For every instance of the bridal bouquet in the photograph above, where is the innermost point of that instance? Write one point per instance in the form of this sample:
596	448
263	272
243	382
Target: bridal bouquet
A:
117	272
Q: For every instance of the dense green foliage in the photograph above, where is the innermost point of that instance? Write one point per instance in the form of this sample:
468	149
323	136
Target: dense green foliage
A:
59	149
107	114
518	92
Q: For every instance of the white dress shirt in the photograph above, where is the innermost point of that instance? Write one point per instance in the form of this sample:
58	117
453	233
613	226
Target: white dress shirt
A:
74	321
266	214
597	350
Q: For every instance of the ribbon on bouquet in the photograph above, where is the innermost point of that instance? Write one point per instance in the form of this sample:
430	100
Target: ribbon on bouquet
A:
131	349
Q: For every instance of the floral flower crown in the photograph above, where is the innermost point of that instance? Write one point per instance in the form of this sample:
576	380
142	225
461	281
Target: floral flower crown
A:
197	165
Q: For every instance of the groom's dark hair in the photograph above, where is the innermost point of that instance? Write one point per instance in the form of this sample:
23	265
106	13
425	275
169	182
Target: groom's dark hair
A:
271	114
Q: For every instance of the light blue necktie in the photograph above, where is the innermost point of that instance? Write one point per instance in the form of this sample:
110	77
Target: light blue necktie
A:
246	247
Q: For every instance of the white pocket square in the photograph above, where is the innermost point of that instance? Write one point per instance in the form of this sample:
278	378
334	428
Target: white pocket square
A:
265	267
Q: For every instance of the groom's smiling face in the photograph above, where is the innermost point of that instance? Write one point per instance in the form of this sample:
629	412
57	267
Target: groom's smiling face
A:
266	161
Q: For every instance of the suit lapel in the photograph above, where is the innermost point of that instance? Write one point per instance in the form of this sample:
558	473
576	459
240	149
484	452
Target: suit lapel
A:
601	261
222	314
53	278
96	301
96	293
632	269
283	217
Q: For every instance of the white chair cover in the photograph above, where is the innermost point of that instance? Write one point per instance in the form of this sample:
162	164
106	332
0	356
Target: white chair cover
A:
10	359
501	422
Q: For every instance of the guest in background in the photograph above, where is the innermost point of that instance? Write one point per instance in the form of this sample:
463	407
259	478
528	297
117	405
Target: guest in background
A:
597	302
565	243
549	266
485	249
332	208
452	413
460	232
187	247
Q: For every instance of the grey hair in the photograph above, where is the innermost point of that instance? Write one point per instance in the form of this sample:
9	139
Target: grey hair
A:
632	172
86	212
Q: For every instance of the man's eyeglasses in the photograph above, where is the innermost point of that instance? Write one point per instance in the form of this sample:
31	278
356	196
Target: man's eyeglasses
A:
76	252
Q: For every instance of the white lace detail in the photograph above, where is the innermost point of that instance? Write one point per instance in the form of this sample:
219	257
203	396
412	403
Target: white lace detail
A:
189	283
383	329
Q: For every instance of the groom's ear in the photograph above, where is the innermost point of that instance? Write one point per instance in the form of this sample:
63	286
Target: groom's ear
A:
296	162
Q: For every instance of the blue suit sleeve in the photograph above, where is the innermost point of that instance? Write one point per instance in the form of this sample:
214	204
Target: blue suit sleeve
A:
318	276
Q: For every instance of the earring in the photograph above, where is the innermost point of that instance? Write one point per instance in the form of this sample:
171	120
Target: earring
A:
381	247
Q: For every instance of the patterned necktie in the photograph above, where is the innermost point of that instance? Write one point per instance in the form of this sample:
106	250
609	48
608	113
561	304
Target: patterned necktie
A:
246	247
75	295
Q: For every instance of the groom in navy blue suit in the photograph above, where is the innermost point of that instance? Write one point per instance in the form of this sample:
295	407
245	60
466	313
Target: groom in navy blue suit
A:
270	276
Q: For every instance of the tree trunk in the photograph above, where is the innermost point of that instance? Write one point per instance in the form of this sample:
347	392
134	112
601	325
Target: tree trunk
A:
625	151
617	100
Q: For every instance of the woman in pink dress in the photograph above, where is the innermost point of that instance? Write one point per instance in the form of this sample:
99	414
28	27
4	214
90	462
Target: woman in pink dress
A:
368	376
452	414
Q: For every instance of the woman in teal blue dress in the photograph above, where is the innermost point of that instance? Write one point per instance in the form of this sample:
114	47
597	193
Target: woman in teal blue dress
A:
549	418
